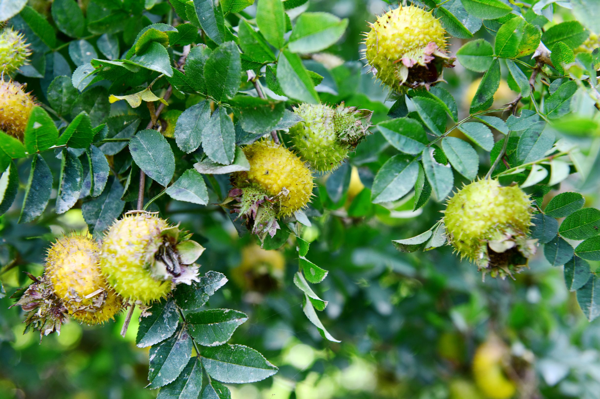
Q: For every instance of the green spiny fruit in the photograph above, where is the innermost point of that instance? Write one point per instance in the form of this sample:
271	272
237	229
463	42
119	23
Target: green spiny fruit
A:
15	108
14	51
488	224
406	48
143	257
326	135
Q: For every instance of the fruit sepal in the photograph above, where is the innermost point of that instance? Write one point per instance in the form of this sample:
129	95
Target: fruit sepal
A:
351	125
257	209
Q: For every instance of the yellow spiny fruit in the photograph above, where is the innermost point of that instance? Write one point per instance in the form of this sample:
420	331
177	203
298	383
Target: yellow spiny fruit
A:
14	51
72	266
15	108
260	270
488	372
280	173
127	249
406	48
489	223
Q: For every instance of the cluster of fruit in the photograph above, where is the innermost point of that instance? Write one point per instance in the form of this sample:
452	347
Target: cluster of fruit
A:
140	259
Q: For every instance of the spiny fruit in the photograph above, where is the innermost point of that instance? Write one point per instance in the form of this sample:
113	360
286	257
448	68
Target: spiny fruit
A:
488	370
406	48
277	185
325	135
260	270
15	108
72	267
143	257
14	51
489	223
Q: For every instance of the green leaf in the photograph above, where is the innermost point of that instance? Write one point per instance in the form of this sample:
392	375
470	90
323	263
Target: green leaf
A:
486	9
561	55
558	251
544	228
338	182
159	323
70	182
194	67
109	46
452	23
311	315
193	297
9	186
438	238
211	19
190	187
218	138
101	212
79	133
571	33
270	18
10	8
440	176
395	179
99	171
208	167
215	390
461	156
558	104
253	44
214	326
152	153
222	71
149	36
95	103
479	133
189	127
236	364
40	133
589	249
233	6
581	224
39	25
315	31
302	284
168	359
187	385
446	100
62	95
313	273
520	78
564	204
155	58
432	113
10	148
484	97
405	134
577	273
294	78
414	243
533	144
258	115
494	122
422	189
517	38
588	13
39	188
68	17
588	297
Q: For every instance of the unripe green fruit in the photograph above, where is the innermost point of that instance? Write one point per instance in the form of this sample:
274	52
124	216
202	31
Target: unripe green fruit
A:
488	224
143	257
72	267
406	48
15	109
14	51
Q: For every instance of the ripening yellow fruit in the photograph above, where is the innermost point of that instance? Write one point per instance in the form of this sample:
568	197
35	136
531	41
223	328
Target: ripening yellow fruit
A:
15	108
488	373
73	270
356	185
406	48
260	270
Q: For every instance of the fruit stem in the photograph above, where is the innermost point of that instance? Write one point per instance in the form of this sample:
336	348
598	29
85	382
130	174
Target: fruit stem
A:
127	319
262	95
499	157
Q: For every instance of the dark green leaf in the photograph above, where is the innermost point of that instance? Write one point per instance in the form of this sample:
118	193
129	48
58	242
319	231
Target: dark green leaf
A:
564	204
414	243
581	224
79	133
253	44
208	167
494	122
544	228
98	174
484	97
101	212
215	326
236	364
440	176
571	33
39	188
222	71
155	58
82	52
315	31
211	19
9	186
476	55
70	182
270	18
10	148
194	67
405	134
479	133
395	179
558	251
188	131
109	46
294	78
338	182
159	323
39	25
533	144
218	138
187	385
486	9
62	95
41	133
461	156
422	189
589	249
126	133
194	296
258	115
577	273
432	113
152	153
558	104
190	187
68	17
445	99
588	297
215	390
95	102
519	78
456	20
168	359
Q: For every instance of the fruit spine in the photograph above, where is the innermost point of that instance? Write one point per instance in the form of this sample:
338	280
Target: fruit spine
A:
15	108
489	224
143	257
406	48
326	135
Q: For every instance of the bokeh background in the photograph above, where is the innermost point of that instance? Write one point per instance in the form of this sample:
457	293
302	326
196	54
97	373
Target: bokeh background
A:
410	324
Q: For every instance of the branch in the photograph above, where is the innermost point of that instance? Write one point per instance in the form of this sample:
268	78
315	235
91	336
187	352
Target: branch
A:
262	95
